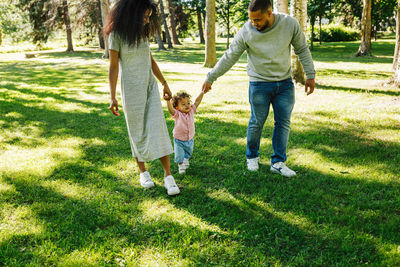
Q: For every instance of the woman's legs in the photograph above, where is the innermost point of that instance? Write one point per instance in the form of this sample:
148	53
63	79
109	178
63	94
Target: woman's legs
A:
141	165
166	165
164	161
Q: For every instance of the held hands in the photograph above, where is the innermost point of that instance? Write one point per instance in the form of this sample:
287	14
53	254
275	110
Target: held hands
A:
309	86
206	87
114	107
167	95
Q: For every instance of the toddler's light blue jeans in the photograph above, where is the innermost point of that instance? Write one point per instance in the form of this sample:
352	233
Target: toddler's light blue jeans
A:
282	97
183	149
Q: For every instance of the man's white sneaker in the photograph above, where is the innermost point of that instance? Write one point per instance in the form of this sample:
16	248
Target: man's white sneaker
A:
252	164
170	185
145	180
182	168
281	168
186	162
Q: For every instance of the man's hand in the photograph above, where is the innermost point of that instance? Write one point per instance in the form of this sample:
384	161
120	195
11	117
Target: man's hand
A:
167	95
206	87
309	86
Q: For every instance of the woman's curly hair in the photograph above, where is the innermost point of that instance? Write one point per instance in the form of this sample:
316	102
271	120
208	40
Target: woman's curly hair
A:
178	96
126	19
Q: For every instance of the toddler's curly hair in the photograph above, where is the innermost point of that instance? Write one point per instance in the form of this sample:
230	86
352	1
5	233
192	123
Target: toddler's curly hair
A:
178	96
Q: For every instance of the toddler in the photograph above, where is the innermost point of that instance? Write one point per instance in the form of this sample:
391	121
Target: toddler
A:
183	113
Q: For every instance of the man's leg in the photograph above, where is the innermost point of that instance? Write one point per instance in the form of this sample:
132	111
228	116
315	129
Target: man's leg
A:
259	97
282	104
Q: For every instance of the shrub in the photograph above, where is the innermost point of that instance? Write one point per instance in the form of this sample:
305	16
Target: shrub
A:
335	33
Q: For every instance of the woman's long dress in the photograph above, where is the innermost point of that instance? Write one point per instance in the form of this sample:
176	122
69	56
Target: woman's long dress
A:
147	128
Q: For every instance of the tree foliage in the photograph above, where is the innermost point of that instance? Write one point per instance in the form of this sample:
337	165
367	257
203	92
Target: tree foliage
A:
14	23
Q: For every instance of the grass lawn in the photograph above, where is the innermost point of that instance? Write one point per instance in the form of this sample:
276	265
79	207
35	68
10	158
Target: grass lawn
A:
70	193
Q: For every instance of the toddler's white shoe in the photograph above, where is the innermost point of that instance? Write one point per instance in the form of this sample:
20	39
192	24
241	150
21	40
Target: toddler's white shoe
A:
170	185
182	168
186	162
252	164
145	180
281	168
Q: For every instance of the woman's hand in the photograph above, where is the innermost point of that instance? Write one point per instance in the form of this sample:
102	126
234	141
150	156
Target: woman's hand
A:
167	95
114	107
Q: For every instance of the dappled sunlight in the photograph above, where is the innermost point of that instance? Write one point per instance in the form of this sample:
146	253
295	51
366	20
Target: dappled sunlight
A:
18	221
158	257
155	210
40	160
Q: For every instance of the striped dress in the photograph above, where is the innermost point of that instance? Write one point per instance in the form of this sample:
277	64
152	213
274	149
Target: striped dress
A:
147	128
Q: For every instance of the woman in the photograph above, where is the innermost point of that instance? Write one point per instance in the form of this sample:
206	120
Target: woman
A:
130	24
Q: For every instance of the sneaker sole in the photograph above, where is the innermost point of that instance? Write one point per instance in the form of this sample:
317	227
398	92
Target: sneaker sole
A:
173	193
278	172
147	186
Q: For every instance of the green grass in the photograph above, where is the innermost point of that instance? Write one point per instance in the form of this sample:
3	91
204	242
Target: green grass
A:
69	189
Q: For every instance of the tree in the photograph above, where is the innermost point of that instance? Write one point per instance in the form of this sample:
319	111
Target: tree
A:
396	57
172	22
14	23
225	9
160	41
197	7
67	23
105	9
46	16
281	6
299	9
348	10
317	9
365	46
38	13
164	22
211	53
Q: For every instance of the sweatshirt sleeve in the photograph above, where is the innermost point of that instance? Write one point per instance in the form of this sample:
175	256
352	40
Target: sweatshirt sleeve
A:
300	46
230	57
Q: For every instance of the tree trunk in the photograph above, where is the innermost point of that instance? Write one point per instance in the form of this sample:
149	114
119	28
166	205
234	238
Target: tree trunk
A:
172	22
281	6
164	22
320	30
200	25
228	23
159	41
211	53
397	48
396	57
105	8
312	22
67	23
299	9
365	46
102	42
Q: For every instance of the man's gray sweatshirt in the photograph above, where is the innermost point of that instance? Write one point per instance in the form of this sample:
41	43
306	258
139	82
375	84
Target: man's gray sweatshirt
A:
268	51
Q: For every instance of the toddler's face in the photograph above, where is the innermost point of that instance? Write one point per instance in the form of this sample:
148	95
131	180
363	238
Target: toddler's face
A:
184	105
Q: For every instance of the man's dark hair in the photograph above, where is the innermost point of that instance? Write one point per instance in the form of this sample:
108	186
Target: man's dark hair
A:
126	19
262	5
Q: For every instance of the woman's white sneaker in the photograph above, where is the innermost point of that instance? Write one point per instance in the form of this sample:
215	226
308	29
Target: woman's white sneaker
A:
170	185
252	164
281	168
145	180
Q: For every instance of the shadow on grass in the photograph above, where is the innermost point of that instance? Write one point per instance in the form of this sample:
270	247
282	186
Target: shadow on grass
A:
344	52
317	218
357	90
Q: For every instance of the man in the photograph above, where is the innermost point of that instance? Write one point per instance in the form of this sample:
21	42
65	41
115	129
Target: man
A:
267	38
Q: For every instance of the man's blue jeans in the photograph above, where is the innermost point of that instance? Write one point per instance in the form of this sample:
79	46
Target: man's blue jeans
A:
282	97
